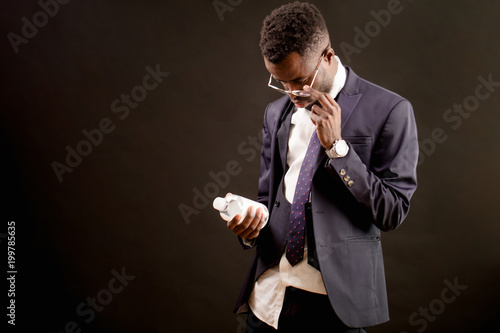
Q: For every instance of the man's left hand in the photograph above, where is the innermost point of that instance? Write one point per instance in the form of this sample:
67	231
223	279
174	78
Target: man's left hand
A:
326	117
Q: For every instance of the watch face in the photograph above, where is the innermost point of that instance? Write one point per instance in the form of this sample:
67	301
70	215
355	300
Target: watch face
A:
341	148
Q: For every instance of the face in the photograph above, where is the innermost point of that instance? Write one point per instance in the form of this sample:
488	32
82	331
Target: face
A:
295	71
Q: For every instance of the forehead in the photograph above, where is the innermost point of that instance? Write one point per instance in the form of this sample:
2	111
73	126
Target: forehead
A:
291	68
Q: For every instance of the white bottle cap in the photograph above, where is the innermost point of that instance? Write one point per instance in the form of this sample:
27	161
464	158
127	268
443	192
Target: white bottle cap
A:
220	204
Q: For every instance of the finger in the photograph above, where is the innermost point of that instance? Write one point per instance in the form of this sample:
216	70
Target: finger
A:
322	98
259	214
317	94
231	224
249	223
250	215
314	118
256	224
252	231
319	115
311	90
331	100
240	225
256	233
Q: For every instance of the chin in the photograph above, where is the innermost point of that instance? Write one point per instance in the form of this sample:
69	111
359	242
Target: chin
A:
311	104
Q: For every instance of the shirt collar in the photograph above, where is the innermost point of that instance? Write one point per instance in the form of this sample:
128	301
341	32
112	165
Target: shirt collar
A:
339	79
338	83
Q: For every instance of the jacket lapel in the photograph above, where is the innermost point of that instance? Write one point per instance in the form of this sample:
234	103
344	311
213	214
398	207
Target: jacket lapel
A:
347	104
348	98
283	134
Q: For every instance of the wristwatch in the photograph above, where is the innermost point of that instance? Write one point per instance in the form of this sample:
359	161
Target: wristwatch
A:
339	149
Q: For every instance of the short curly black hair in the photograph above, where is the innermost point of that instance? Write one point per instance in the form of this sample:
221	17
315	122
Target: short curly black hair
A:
294	27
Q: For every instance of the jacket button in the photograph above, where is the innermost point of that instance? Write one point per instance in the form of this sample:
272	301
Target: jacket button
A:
347	178
342	172
277	203
350	183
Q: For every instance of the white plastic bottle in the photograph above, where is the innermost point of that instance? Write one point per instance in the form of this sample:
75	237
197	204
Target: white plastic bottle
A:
234	204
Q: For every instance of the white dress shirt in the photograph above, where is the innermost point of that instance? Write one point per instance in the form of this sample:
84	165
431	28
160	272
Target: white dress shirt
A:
266	299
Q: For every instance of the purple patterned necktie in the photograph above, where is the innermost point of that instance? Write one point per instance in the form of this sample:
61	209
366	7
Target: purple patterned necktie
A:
295	248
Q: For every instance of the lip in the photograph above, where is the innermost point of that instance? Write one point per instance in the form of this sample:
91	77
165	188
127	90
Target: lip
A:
300	103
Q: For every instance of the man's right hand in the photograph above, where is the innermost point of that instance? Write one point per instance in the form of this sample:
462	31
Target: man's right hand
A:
248	227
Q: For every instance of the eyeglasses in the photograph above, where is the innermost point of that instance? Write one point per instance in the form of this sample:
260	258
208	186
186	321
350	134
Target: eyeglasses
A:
300	93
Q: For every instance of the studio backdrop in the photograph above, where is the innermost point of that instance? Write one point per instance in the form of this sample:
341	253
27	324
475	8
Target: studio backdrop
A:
121	121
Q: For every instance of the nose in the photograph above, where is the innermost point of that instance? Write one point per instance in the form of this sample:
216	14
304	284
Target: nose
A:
293	86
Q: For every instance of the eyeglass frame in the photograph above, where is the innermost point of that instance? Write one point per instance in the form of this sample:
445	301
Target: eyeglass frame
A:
300	92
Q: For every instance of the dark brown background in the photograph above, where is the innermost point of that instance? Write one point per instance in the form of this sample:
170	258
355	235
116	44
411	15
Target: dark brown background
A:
120	206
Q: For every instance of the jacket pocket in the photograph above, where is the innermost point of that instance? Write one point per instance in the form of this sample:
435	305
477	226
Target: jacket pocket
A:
368	238
362	145
366	275
358	140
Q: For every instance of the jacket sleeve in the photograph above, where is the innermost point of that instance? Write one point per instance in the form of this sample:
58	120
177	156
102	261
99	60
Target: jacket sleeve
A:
264	177
385	187
265	163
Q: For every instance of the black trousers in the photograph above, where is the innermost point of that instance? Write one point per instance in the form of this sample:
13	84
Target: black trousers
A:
303	312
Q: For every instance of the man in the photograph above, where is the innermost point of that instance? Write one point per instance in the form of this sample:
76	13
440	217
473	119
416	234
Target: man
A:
338	164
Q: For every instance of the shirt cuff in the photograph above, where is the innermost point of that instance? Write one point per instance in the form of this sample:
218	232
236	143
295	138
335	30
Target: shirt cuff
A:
248	242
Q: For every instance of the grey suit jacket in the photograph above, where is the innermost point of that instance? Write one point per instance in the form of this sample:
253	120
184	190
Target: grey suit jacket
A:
352	198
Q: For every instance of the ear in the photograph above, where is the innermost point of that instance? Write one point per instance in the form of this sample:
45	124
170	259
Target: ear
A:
329	56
